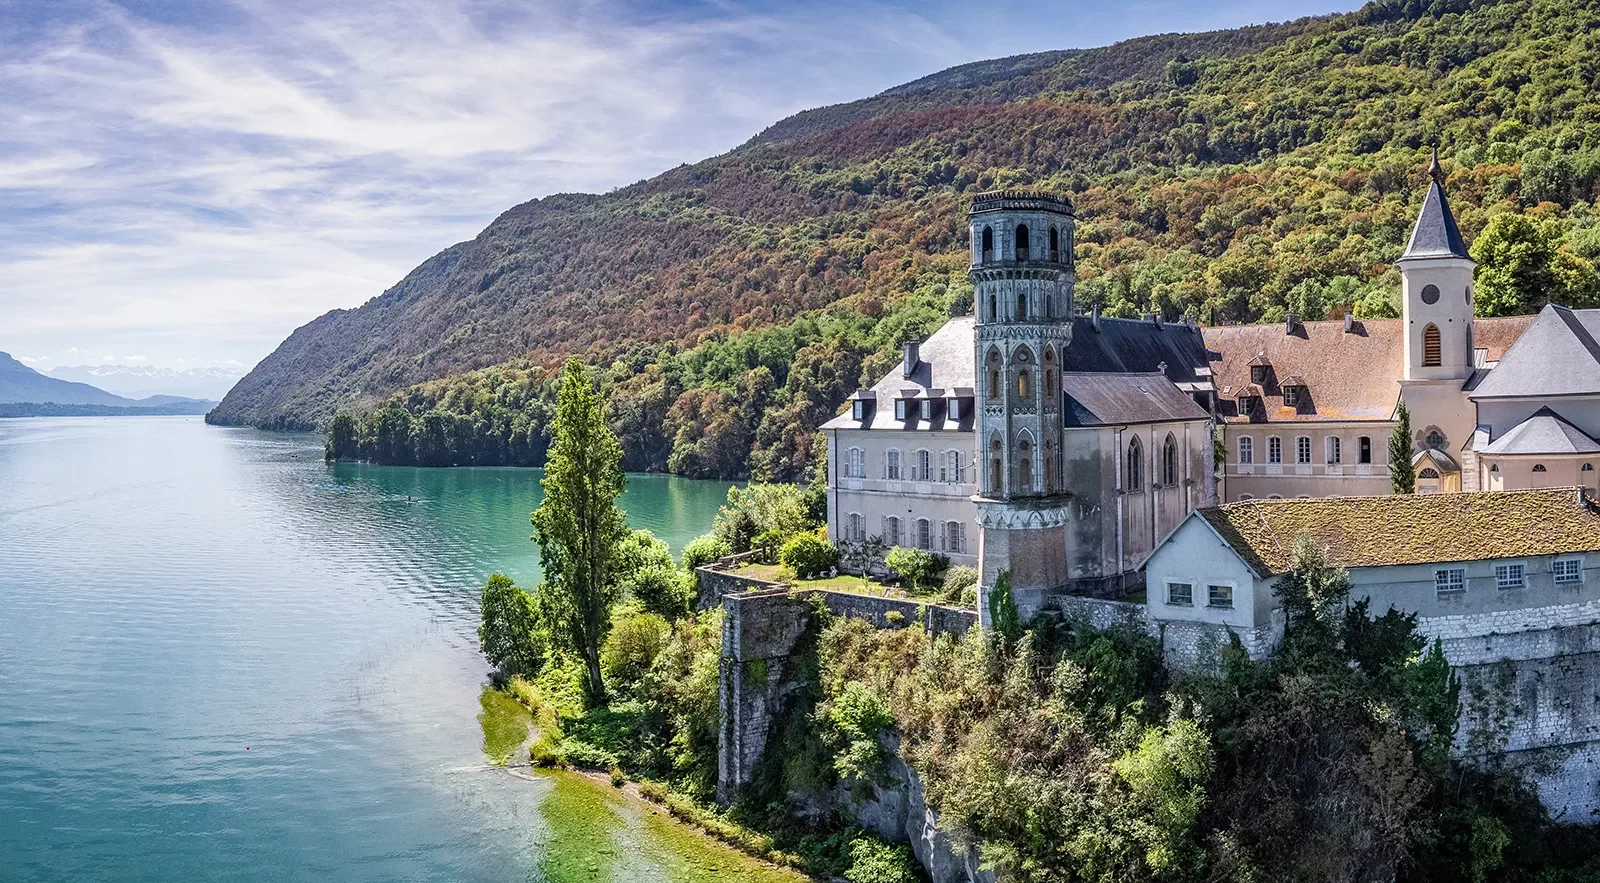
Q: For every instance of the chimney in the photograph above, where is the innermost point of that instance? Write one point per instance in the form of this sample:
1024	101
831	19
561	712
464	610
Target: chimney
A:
912	359
1094	317
1160	320
1349	322
1290	322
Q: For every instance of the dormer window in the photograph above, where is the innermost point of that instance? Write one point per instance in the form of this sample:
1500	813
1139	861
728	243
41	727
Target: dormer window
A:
899	409
926	409
1294	390
953	409
1260	367
858	409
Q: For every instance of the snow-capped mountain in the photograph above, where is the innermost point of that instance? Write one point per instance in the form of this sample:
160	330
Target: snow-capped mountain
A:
136	381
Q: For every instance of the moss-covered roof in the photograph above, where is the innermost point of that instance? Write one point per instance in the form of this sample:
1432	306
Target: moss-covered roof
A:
1414	529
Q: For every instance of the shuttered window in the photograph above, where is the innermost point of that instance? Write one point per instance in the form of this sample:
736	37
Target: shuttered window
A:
1430	346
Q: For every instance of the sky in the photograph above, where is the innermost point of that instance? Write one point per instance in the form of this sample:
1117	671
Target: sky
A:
185	182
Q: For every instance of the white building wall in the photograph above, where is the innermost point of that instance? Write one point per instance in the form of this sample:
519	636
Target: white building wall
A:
875	497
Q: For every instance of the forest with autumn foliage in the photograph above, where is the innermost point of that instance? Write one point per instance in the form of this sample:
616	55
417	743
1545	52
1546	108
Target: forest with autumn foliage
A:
731	305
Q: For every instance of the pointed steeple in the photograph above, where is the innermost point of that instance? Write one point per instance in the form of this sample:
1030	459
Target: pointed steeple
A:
1435	234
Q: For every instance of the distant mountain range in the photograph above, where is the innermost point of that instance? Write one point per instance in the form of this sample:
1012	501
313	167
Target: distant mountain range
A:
138	381
26	392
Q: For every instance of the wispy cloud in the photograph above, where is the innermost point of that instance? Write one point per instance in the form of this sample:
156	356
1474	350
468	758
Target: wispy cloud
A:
199	184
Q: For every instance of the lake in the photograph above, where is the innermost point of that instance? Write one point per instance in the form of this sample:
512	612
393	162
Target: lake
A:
222	659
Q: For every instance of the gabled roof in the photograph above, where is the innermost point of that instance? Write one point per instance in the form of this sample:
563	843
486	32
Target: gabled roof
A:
1134	346
1546	432
1347	375
1435	234
1557	356
1410	529
944	369
1116	399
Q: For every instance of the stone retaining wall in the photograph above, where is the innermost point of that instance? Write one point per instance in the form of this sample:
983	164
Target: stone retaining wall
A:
1187	645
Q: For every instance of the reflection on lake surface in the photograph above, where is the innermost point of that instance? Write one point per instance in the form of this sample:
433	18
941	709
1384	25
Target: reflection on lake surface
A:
221	659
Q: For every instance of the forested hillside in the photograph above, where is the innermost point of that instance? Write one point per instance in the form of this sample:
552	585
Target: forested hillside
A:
1229	176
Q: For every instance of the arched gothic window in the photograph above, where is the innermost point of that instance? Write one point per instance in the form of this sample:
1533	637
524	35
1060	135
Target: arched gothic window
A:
996	467
1169	461
1431	355
988	244
995	385
1024	466
1049	465
994	309
1022	242
1022	383
1135	464
1022	306
1049	372
1055	245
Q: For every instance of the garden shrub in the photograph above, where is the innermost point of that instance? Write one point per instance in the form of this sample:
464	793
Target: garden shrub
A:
810	555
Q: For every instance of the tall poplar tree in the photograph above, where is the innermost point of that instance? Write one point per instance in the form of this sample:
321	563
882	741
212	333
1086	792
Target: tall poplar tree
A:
578	527
1401	479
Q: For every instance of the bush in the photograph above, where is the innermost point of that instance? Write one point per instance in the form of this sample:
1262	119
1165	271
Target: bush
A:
810	555
856	717
653	791
585	756
617	778
917	567
873	861
636	639
959	581
510	636
766	511
705	550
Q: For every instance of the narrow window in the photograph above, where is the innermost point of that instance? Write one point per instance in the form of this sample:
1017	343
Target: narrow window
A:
925	407
1274	450
899	409
1022	383
924	534
1169	461
1364	449
994	309
1449	580
891	531
1135	464
1291	396
1024	465
1430	346
1022	242
988	252
1049	382
858	410
953	409
1219	597
1567	571
1247	450
892	465
924	466
1509	576
996	469
855	463
1302	449
1180	594
1022	306
1333	449
1055	245
854	532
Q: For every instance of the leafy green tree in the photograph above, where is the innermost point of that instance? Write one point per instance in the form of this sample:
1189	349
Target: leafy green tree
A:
773	512
1168	774
1522	266
510	634
809	555
704	550
1402	480
649	576
341	442
1004	617
1313	594
579	528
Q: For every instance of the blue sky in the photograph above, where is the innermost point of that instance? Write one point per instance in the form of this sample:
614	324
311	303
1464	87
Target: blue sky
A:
184	183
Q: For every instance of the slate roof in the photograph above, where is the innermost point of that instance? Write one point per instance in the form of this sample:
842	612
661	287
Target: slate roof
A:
1134	346
1411	529
1435	234
1117	399
1346	375
1546	432
944	368
1557	356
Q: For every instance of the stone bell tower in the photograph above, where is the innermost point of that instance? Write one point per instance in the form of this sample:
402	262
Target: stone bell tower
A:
1022	277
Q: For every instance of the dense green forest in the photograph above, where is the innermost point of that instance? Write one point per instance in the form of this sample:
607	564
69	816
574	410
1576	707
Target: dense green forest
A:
1229	176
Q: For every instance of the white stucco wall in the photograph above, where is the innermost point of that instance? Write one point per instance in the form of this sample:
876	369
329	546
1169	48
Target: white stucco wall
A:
1195	554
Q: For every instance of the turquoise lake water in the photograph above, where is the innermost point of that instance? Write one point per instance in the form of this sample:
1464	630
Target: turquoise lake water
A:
221	659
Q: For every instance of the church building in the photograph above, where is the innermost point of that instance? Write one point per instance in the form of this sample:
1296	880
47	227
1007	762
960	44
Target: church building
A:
1061	448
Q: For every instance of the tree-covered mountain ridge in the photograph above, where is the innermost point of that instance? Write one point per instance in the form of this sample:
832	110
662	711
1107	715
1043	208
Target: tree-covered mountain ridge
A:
1231	175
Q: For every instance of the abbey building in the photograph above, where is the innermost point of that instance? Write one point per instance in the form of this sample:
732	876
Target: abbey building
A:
1059	447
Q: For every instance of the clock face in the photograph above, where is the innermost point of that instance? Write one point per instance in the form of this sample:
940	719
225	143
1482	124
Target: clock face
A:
1430	294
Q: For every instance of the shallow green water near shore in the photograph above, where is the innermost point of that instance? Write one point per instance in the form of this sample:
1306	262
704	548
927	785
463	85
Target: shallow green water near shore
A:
221	659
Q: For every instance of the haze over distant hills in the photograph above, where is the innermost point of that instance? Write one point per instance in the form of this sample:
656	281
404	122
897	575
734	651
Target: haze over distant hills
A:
23	386
139	381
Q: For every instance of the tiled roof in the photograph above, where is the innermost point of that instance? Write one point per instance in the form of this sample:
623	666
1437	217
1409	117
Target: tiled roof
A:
1557	337
1435	234
1112	399
1546	432
1347	375
1411	529
1135	346
944	368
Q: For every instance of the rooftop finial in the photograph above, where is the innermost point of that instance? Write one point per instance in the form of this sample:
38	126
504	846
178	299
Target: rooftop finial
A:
1434	171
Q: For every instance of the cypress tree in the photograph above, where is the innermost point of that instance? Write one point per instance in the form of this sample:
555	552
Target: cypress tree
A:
1401	479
